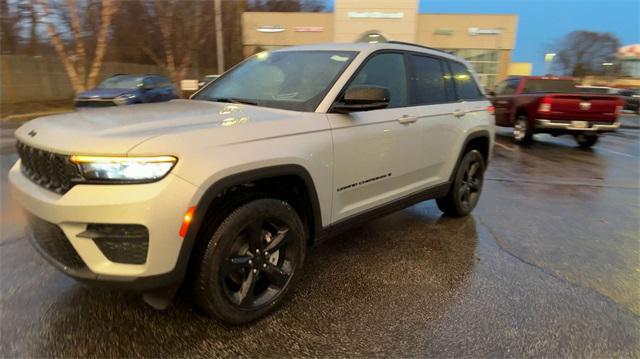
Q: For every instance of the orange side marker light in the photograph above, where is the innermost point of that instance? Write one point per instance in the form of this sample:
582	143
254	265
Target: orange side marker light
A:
186	221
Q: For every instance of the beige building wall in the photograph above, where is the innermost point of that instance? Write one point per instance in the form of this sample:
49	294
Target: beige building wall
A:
462	31
298	29
520	69
354	18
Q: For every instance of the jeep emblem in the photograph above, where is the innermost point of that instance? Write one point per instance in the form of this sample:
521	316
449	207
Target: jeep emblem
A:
32	133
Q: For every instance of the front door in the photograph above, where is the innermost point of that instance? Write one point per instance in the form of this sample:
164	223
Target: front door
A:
377	154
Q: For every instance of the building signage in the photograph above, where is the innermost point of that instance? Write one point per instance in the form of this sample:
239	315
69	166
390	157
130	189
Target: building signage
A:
375	15
442	31
270	28
473	31
308	29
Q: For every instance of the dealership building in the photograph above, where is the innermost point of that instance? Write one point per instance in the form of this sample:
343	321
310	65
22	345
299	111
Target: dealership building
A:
486	41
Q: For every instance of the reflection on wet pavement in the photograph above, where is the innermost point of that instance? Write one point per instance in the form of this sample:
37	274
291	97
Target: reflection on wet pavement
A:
547	265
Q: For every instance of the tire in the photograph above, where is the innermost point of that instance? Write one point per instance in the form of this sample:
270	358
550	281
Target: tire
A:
250	262
522	134
465	190
586	141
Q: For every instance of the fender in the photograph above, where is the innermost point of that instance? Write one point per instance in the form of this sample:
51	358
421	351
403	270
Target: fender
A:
472	136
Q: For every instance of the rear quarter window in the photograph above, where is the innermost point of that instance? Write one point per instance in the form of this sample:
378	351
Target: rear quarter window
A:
466	85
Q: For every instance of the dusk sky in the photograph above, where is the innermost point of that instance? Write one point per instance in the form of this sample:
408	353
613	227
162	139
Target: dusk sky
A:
543	22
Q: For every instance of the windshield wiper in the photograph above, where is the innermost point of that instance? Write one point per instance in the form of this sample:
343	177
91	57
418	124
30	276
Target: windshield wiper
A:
232	100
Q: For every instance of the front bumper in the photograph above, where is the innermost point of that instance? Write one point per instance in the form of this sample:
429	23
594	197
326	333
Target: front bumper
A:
549	125
158	206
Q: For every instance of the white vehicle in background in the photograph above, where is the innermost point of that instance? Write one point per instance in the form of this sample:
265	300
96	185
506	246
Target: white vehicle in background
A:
206	80
225	191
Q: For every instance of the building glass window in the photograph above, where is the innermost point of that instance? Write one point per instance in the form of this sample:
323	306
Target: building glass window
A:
484	62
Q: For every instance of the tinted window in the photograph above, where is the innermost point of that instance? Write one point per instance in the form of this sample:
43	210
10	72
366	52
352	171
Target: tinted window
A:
162	81
548	85
428	80
465	84
291	80
386	70
148	82
448	83
508	87
121	82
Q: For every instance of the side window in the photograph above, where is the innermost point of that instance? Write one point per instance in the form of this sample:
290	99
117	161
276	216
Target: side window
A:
428	81
148	82
448	82
465	84
386	70
507	87
163	82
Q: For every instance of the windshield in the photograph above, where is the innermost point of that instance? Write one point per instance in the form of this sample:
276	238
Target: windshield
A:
534	86
121	82
290	80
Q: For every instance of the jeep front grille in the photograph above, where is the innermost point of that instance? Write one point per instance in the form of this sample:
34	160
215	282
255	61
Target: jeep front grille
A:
52	171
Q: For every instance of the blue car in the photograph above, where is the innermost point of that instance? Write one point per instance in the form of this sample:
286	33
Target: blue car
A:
121	90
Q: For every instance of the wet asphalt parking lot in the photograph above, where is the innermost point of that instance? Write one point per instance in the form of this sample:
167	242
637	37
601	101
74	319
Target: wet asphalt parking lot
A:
547	265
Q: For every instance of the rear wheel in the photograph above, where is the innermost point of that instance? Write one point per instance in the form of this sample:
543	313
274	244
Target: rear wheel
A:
521	132
466	187
586	141
251	261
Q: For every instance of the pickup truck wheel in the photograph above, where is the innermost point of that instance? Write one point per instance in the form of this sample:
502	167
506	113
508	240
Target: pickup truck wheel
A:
521	132
586	141
251	261
466	187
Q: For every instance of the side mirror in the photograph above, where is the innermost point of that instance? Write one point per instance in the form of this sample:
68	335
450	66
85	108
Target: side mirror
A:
363	98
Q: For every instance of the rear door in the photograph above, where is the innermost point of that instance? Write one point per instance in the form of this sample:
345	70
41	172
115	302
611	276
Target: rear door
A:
434	103
377	154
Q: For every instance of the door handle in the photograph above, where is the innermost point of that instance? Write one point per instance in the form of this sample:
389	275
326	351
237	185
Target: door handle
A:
406	119
459	113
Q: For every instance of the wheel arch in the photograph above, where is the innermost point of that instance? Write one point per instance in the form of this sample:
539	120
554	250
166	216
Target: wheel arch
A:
207	202
479	140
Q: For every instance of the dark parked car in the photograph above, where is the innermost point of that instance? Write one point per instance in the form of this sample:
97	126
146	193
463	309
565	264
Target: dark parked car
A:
122	89
631	99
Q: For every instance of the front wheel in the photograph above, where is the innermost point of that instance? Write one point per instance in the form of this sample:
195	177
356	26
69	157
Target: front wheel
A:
466	187
251	261
586	141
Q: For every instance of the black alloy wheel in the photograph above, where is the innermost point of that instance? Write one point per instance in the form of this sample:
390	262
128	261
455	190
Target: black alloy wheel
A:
465	190
251	261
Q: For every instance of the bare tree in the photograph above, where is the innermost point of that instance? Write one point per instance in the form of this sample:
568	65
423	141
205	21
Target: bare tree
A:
286	5
66	32
582	53
181	31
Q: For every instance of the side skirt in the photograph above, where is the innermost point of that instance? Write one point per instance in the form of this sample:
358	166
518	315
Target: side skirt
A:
382	210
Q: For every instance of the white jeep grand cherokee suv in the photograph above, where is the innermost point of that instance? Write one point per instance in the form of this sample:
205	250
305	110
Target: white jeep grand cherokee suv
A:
225	191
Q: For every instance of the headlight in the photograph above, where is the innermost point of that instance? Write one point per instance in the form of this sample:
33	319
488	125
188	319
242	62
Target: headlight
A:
124	169
123	99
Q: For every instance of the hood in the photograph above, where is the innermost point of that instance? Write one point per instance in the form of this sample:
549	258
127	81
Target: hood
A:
116	130
105	93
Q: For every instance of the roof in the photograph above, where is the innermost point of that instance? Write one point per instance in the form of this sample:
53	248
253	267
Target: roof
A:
371	47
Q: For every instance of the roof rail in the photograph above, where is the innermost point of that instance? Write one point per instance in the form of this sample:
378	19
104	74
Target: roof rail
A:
415	45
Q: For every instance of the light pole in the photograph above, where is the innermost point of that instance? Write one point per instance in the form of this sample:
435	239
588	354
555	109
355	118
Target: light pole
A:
219	48
548	59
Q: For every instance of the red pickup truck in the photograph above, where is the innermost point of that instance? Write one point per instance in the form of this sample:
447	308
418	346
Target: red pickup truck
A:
554	105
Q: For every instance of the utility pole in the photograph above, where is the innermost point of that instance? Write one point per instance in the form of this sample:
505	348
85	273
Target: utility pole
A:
219	45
